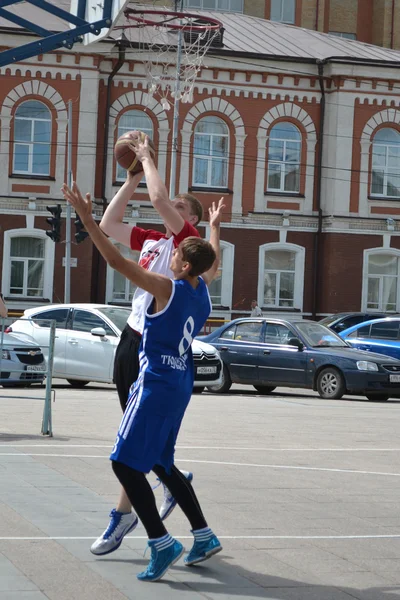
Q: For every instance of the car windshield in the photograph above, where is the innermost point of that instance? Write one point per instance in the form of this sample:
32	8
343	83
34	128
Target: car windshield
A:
319	336
117	315
328	320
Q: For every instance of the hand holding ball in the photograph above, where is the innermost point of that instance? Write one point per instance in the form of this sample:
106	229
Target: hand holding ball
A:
124	150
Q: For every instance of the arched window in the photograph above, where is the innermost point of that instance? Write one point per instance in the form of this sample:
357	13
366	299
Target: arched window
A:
284	156
130	121
27	256
281	276
279	272
32	139
386	163
119	288
210	153
382	281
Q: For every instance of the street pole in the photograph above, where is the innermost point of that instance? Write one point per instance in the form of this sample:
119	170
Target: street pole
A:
67	284
175	126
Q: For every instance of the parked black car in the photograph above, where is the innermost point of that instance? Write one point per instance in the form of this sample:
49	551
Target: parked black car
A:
267	353
341	321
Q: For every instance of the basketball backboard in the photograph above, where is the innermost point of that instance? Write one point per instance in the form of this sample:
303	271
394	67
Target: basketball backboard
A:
94	11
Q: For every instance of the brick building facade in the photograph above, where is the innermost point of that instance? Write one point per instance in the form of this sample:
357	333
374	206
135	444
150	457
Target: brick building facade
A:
300	235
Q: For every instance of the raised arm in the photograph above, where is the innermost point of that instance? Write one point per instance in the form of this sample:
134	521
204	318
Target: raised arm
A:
157	191
112	222
3	308
215	222
157	285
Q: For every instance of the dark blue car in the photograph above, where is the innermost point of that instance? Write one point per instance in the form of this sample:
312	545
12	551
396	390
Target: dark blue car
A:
267	353
378	335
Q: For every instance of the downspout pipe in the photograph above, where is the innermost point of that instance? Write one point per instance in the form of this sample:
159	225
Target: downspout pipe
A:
392	29
116	68
318	234
96	261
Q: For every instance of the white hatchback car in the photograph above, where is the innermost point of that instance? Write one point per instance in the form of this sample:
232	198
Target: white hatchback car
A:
86	339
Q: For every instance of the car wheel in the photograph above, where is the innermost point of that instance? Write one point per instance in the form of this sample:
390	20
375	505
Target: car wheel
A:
198	390
378	397
264	389
225	384
77	383
331	384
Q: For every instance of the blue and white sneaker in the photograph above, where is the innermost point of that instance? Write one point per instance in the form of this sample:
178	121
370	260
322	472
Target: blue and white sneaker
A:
164	553
169	501
120	525
203	548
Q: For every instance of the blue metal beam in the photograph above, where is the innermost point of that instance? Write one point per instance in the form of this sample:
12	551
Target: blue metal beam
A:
52	41
56	11
6	14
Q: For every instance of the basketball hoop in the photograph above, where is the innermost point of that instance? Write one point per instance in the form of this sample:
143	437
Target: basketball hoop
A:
172	46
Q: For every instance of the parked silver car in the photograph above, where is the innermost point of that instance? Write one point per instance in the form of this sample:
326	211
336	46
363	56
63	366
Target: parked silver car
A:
21	362
86	339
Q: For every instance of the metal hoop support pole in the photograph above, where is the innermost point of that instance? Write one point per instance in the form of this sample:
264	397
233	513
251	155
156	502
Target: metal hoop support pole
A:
47	426
175	126
67	274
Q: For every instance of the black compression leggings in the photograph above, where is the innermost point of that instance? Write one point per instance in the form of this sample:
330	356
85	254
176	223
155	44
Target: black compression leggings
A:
143	501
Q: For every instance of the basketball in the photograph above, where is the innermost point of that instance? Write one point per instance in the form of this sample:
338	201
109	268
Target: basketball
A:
124	154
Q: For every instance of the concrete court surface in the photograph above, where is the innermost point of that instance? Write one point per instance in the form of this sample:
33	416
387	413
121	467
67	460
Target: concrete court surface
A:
303	493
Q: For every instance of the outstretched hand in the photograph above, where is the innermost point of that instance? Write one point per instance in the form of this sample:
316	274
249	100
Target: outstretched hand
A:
215	213
141	149
83	206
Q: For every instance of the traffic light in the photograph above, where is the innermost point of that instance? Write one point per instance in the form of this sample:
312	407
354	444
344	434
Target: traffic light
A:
80	234
55	222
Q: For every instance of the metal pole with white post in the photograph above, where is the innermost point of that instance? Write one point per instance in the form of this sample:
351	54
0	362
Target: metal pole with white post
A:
175	126
67	284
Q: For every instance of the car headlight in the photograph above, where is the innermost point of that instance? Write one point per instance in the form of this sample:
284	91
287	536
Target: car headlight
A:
5	355
366	365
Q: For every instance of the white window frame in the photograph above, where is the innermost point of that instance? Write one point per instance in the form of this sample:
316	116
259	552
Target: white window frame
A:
281	20
365	277
31	144
228	261
210	158
121	130
300	255
219	5
387	170
283	163
128	253
49	252
344	34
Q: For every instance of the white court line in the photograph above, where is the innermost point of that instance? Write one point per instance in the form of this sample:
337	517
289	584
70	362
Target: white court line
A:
214	462
50	445
221	537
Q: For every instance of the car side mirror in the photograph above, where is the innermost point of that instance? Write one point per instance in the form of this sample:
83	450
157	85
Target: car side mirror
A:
99	331
297	343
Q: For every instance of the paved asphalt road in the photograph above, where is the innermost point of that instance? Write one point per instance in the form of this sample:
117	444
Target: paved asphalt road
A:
303	493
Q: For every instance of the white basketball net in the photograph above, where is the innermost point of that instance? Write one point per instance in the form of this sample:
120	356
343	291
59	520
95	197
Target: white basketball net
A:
158	49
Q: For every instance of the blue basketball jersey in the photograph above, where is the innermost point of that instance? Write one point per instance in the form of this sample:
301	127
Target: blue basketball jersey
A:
166	359
159	397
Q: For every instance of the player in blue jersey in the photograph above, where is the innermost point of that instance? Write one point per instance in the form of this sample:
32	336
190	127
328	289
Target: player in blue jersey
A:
158	400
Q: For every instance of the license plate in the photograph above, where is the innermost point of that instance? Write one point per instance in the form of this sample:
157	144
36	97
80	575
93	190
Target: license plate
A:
40	368
395	379
205	370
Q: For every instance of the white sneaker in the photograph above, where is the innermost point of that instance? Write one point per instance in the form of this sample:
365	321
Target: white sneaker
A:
120	525
169	501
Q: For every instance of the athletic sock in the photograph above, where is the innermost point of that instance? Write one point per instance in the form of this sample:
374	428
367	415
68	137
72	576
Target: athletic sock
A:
202	535
163	542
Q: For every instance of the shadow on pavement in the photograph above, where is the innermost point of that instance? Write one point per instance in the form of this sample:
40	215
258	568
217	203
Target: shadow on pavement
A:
226	581
19	437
